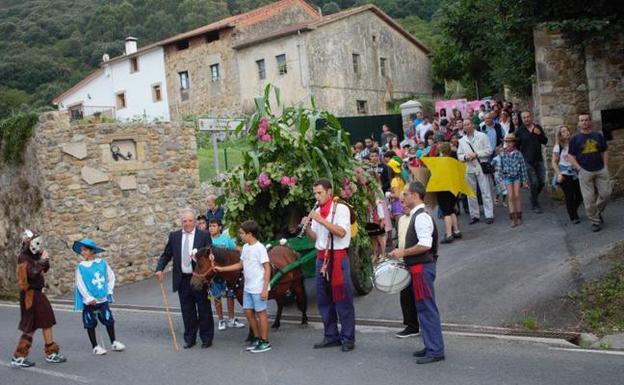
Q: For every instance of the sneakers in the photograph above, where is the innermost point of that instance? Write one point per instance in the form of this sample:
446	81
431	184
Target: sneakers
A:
21	362
262	346
457	235
118	346
252	344
473	221
447	239
55	358
99	351
235	323
222	325
407	332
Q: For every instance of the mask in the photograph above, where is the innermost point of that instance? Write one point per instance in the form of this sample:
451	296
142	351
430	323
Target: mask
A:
36	245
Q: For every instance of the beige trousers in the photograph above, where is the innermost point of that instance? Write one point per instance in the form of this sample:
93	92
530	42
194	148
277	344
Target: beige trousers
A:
596	190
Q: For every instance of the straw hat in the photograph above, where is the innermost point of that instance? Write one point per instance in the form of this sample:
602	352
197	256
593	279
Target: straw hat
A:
510	137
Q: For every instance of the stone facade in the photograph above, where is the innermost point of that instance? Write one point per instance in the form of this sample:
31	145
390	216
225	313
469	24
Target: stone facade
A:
572	79
127	206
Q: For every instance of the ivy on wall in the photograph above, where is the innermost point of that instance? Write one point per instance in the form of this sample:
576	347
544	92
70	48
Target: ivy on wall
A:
15	131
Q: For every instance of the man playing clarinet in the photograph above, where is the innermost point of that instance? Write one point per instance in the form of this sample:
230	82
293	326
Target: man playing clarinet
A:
331	232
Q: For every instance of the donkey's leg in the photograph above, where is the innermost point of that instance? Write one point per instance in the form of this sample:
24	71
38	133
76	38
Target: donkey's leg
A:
302	299
279	298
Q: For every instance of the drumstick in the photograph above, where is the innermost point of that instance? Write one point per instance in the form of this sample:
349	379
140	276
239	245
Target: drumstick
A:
169	318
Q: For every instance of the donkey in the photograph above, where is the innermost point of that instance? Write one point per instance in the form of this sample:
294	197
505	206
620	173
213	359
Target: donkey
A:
279	258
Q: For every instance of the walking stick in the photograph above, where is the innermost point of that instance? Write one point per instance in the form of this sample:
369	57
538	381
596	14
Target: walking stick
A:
169	318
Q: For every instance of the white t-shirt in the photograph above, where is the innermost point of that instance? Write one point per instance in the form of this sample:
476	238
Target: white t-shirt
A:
252	257
422	130
342	219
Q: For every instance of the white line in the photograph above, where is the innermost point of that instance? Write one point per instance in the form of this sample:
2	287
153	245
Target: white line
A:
71	377
609	352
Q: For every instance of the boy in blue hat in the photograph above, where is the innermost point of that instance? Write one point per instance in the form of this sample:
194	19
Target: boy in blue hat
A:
95	282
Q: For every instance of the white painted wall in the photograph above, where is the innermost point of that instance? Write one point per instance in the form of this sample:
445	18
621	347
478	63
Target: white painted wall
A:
101	91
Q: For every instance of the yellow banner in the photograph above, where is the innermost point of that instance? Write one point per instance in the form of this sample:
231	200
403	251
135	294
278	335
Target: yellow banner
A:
447	174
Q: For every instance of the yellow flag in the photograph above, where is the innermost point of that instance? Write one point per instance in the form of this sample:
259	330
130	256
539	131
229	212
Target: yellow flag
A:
447	174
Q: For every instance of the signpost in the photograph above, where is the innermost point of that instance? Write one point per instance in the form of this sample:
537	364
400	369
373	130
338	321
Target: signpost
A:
218	127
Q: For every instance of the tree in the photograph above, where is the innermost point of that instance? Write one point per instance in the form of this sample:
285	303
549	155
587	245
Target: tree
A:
12	101
330	8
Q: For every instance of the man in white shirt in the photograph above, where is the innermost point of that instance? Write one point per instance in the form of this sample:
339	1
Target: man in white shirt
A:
194	304
422	129
474	147
331	233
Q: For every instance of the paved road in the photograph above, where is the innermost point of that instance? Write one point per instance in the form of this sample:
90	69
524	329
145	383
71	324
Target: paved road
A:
379	358
492	276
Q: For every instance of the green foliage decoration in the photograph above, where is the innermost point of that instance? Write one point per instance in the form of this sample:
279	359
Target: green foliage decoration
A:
288	152
15	131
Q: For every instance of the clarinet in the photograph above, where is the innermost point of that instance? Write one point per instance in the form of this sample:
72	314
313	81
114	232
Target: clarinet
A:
302	228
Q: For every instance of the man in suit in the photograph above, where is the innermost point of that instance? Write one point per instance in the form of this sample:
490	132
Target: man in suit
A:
196	308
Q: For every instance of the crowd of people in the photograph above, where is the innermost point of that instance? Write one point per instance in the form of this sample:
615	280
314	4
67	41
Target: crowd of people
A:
503	150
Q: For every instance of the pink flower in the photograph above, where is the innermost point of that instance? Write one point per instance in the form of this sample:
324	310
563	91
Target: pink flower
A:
264	181
288	181
346	193
345	182
247	187
359	171
263	128
263	125
362	181
265	138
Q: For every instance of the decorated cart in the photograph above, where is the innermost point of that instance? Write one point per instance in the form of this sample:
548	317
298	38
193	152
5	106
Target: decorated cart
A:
289	148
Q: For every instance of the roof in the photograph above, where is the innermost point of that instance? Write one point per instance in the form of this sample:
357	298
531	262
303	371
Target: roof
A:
308	26
95	73
241	20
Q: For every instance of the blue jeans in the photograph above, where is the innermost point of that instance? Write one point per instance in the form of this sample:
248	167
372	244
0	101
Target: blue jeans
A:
332	311
429	317
537	179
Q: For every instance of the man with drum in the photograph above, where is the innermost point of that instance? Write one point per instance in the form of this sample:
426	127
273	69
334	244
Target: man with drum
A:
331	232
420	255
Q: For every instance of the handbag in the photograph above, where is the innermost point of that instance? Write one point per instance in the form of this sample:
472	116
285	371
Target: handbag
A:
486	167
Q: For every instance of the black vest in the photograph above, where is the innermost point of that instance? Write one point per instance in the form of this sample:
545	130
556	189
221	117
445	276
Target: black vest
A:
411	239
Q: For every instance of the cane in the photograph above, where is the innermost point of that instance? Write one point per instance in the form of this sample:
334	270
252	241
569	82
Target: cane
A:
169	318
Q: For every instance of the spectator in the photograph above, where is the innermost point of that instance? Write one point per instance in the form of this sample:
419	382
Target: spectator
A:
565	174
422	128
493	131
357	151
370	145
516	121
474	148
447	201
214	211
394	146
386	135
530	138
380	170
588	154
417	121
202	223
505	123
514	173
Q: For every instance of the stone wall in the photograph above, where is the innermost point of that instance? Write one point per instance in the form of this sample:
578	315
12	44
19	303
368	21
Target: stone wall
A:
126	206
572	79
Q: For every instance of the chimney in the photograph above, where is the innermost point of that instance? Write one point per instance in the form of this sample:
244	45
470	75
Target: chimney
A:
131	45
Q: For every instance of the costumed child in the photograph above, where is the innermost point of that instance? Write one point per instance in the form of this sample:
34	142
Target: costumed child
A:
218	286
35	309
95	281
514	173
257	273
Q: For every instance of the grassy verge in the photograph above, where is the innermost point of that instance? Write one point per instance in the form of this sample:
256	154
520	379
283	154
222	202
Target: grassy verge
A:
235	150
601	302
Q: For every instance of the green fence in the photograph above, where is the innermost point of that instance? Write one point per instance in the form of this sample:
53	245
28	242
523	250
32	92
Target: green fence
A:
360	127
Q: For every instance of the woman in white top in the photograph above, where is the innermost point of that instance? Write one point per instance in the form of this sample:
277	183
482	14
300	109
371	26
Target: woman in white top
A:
567	176
505	123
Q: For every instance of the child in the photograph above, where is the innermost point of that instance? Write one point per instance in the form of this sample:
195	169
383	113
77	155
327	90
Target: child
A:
514	173
95	282
214	211
202	223
218	287
257	273
35	310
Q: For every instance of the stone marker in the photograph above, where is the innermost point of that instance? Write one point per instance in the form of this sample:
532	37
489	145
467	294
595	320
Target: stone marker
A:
92	175
77	150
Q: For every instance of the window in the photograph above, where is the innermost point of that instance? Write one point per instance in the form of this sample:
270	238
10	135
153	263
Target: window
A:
156	93
282	68
214	72
75	112
261	69
356	63
182	44
361	107
134	65
212	36
382	65
121	100
185	84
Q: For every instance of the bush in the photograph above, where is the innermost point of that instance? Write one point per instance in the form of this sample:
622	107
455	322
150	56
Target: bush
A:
15	131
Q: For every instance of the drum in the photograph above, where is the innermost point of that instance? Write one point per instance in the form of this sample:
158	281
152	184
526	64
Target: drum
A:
391	276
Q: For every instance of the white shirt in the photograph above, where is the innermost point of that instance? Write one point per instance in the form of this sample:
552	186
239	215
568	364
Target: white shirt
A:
187	267
481	144
253	257
422	130
342	219
110	279
423	224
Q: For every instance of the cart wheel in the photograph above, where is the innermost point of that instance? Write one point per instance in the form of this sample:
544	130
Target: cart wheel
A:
361	265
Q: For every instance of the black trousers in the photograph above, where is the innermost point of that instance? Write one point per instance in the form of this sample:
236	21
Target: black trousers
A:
408	308
572	191
196	312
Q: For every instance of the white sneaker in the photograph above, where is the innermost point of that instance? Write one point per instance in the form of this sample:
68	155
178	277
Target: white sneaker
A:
118	346
235	323
222	324
99	351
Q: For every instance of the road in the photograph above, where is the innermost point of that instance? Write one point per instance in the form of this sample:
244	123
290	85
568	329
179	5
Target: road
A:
379	358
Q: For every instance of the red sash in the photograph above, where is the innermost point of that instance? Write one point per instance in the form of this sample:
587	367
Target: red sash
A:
419	284
337	276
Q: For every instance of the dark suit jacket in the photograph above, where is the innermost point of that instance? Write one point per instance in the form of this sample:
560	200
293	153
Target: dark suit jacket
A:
174	250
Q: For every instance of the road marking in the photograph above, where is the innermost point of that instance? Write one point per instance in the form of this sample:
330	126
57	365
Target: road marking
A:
595	351
71	377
